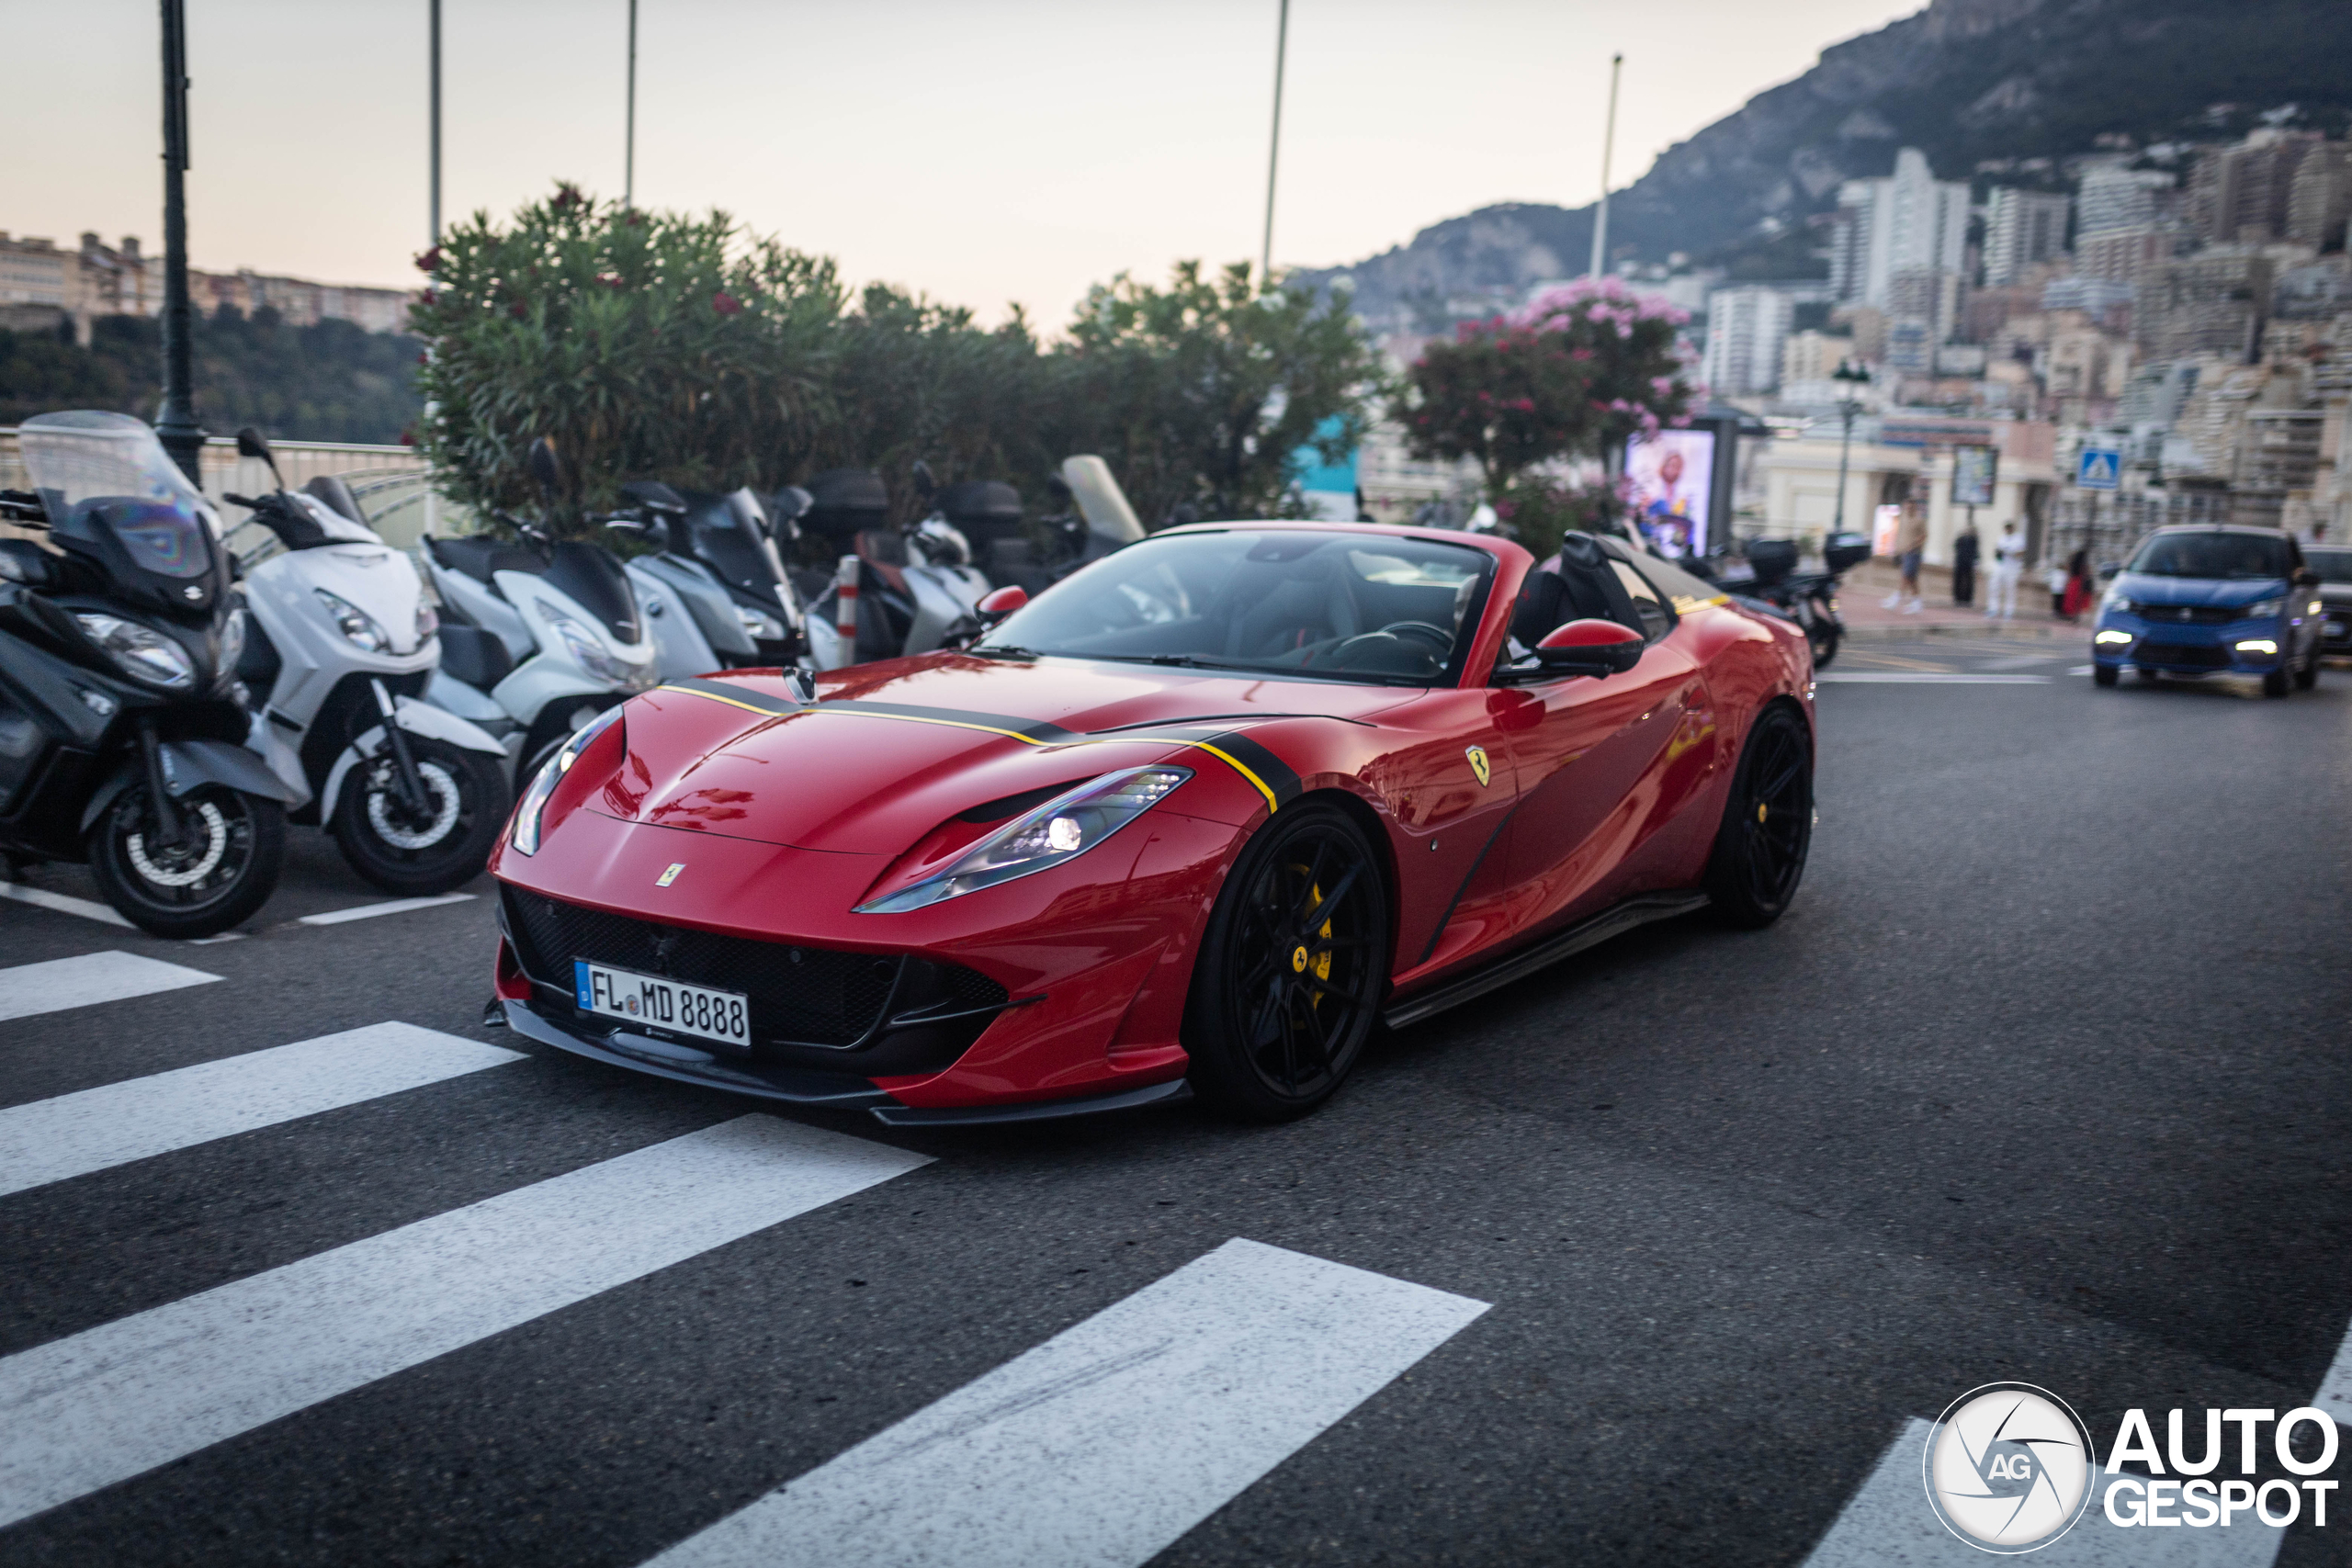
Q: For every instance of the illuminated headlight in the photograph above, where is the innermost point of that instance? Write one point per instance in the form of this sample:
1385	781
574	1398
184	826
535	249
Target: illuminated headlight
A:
428	620
2259	645
534	798
358	627
140	652
757	625
2265	608
2112	635
1063	828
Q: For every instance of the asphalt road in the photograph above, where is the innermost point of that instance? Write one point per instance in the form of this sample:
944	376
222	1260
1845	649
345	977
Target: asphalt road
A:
2044	1078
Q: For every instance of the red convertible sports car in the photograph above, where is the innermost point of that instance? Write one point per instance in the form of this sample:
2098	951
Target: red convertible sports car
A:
1191	821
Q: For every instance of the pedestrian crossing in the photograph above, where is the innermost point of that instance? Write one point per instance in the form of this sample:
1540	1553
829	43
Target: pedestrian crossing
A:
1102	1445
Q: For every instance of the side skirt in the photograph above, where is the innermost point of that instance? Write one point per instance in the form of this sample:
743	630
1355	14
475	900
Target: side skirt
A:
1616	920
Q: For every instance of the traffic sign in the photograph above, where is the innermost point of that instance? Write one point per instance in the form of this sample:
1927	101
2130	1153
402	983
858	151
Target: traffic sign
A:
2098	468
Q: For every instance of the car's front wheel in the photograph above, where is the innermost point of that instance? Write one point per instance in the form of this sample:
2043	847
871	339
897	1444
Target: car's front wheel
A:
2105	674
1292	969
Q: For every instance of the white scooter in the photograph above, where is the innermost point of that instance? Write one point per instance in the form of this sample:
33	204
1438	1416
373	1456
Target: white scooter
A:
558	637
340	643
898	592
716	594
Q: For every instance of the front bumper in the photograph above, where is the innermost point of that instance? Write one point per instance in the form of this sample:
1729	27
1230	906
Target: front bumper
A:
2191	650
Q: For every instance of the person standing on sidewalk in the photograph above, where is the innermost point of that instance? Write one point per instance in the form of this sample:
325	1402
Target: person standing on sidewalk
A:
2008	564
1910	544
1963	567
2080	588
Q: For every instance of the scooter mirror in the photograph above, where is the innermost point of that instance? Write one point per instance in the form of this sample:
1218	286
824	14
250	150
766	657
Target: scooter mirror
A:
251	444
787	507
925	484
547	468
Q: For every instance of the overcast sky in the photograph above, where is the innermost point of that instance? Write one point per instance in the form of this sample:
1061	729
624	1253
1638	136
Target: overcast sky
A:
980	151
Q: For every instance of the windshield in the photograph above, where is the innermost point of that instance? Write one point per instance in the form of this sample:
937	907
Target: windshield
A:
2248	556
89	466
2333	566
1339	606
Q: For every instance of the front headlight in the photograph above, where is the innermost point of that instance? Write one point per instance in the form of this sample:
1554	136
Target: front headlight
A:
140	652
543	783
1063	828
759	628
2264	609
232	639
584	647
357	626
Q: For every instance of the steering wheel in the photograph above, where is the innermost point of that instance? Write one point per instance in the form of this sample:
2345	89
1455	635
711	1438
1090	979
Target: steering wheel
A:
1438	636
1395	633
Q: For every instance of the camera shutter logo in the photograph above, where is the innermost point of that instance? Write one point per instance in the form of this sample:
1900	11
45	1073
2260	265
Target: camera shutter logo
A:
2008	1468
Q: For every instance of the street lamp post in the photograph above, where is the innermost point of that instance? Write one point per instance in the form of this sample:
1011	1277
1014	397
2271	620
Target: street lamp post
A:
1608	150
1855	378
1274	148
628	153
175	424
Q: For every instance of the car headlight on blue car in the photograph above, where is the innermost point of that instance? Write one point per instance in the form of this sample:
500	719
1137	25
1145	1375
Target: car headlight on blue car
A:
525	837
1063	828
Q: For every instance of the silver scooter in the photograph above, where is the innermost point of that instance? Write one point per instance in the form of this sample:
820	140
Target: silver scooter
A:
897	591
561	636
716	593
341	643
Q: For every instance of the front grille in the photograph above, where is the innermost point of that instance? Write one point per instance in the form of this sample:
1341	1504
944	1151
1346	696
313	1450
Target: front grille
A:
811	995
2201	656
2188	615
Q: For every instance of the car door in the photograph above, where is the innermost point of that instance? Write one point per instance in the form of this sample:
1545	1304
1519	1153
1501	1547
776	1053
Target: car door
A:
1592	765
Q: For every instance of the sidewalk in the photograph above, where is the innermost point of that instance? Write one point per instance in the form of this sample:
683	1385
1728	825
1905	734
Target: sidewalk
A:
1862	596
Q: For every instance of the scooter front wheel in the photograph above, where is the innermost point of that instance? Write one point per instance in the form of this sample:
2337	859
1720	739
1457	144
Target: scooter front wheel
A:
1823	633
220	869
421	848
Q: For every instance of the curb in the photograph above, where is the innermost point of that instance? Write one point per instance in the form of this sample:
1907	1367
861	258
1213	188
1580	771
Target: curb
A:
1896	632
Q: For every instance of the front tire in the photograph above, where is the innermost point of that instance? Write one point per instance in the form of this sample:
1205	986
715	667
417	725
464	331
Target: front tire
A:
222	870
2276	684
2308	676
1293	967
2105	674
422	852
1768	823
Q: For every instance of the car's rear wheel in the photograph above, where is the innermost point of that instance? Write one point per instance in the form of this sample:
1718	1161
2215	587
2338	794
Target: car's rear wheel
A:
1768	822
1292	969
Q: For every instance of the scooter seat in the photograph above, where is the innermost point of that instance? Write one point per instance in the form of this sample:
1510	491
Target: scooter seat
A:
479	557
474	656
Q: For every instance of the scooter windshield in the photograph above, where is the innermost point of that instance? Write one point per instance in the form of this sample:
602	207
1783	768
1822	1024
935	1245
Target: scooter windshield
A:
96	470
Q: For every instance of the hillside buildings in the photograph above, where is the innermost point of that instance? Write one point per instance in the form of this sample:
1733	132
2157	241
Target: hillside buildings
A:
43	284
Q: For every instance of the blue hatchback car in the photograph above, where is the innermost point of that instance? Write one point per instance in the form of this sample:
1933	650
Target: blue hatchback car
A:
2212	601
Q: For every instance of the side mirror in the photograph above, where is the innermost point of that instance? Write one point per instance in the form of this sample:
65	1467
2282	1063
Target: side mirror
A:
1589	646
2108	570
926	485
1002	603
251	444
547	468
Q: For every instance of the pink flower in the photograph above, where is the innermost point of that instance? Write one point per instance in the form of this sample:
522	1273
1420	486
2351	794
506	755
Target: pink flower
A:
430	261
726	304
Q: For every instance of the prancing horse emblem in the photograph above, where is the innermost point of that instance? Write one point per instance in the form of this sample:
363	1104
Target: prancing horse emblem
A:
671	875
1478	755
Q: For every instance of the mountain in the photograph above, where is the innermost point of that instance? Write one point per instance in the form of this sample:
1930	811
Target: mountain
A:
1969	82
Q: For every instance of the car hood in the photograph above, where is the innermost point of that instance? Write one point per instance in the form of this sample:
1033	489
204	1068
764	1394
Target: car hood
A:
889	752
2217	593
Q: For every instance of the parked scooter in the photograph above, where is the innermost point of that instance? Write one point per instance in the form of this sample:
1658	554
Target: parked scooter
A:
339	648
557	633
715	595
894	593
122	732
1097	520
1810	598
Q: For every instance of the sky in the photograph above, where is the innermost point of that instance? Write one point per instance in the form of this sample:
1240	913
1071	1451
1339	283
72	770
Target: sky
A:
981	151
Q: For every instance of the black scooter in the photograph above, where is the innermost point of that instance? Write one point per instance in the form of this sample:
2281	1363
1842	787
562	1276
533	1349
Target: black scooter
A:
1810	598
122	722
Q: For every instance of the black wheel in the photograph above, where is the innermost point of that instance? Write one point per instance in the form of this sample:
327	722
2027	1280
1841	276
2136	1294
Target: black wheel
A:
2278	683
1823	636
1768	823
2147	677
421	848
2106	674
1291	967
220	870
2308	676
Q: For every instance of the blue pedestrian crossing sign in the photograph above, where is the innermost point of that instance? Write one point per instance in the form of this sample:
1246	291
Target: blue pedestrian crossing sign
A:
2097	468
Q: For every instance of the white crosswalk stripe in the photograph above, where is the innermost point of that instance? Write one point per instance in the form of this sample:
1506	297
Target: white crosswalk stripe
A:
74	1134
103	1405
29	989
391	907
1104	1445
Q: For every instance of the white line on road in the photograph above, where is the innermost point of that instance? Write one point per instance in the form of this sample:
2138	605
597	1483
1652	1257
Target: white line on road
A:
62	904
112	1401
391	907
61	983
1924	678
51	1140
1104	1445
1889	1523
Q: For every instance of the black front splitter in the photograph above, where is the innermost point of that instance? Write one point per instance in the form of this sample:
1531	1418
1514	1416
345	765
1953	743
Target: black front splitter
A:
802	1086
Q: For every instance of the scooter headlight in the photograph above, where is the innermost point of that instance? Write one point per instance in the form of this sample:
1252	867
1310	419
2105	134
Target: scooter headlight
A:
759	626
358	627
1063	828
140	652
232	639
428	620
589	651
525	836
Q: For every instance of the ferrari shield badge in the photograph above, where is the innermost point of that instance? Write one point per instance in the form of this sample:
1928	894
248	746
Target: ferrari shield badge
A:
671	875
1478	755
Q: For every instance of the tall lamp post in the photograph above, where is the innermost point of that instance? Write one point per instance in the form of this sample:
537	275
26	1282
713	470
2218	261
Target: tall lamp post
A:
175	424
1607	151
1854	378
1274	148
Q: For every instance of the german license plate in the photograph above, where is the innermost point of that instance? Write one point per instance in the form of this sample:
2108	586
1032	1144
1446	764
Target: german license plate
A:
723	1016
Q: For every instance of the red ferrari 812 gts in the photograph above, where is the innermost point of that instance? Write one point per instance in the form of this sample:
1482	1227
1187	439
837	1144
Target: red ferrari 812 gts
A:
1193	820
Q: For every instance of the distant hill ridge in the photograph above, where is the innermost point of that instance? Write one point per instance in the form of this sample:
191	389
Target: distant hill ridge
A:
1966	80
